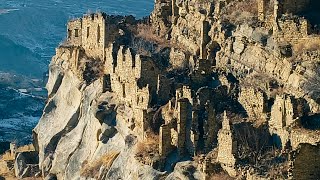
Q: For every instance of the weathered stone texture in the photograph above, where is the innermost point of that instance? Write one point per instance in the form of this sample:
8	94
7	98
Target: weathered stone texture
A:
164	143
186	28
302	136
182	116
227	147
26	164
90	33
282	113
75	32
254	102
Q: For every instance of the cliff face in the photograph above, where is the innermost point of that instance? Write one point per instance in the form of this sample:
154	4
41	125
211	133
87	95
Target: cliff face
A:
82	123
199	90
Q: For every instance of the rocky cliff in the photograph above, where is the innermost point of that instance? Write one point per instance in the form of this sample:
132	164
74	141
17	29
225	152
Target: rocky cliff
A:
198	90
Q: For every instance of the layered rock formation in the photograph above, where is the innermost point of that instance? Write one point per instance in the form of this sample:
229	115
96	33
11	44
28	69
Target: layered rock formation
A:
199	90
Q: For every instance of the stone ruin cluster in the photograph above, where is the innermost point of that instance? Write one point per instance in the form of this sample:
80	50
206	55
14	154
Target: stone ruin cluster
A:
193	113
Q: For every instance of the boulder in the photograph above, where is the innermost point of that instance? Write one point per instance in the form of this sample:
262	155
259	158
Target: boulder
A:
26	164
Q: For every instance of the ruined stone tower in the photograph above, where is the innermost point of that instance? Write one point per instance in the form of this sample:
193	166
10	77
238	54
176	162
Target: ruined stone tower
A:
88	32
227	147
93	34
182	113
262	10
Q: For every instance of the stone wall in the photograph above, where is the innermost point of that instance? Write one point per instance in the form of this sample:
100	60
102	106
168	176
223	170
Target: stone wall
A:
227	147
283	115
184	92
164	143
289	28
182	116
90	33
141	122
177	117
186	28
75	32
211	127
134	78
190	121
94	34
302	136
282	112
254	102
262	9
164	89
282	7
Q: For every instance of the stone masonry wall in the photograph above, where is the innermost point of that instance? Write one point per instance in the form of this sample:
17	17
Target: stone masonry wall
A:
182	116
226	147
302	136
282	112
164	143
94	34
75	32
256	105
90	33
186	28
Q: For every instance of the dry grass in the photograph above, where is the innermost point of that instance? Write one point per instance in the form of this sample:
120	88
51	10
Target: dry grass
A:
26	148
238	12
149	145
279	171
305	46
250	6
220	176
199	158
7	155
92	169
91	69
8	177
147	33
5	171
147	152
8	173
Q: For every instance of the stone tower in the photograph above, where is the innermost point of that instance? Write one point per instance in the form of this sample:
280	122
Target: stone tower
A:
75	32
262	10
226	147
182	113
93	34
90	33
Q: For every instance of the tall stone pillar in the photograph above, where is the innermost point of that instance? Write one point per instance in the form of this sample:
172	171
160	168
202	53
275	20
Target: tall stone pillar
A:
261	10
276	13
164	140
212	126
182	113
204	39
227	147
13	149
